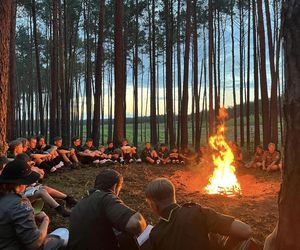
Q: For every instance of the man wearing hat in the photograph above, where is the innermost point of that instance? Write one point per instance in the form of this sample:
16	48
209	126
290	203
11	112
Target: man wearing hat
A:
18	228
94	219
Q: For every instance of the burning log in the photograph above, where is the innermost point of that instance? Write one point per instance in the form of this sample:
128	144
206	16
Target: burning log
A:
223	180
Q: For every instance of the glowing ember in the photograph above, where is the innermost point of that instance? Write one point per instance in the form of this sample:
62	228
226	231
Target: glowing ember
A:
223	179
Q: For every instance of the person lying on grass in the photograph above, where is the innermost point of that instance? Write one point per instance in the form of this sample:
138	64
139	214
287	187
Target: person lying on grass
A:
188	226
47	194
149	155
95	218
19	226
271	159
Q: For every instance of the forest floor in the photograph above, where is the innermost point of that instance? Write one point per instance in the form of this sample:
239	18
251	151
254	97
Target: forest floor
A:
257	205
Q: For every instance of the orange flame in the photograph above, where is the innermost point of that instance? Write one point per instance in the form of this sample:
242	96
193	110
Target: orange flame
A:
223	179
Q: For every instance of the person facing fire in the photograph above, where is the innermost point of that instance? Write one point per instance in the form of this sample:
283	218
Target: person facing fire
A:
272	159
149	155
187	226
163	154
258	158
95	218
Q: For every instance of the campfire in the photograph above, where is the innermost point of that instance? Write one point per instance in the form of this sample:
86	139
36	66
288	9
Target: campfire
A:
223	180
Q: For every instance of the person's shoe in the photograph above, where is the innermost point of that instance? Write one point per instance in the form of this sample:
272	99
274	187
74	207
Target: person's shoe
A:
177	161
138	160
173	161
53	169
70	201
122	162
131	161
62	211
157	162
96	161
115	161
103	161
182	162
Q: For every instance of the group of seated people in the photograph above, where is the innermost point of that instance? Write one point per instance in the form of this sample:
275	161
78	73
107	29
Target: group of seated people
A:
51	157
267	160
101	220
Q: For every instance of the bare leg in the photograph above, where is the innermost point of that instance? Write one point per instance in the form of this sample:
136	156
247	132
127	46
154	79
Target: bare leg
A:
150	160
54	193
43	194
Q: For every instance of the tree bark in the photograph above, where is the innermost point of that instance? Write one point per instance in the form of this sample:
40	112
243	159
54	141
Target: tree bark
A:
289	203
233	78
98	75
5	27
263	77
12	86
210	67
119	82
185	89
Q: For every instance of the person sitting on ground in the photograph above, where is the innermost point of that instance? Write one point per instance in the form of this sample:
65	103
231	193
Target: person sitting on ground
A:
163	154
187	155
129	152
175	157
104	158
15	148
258	158
18	227
43	160
271	159
68	154
94	219
84	156
113	153
187	226
47	194
149	155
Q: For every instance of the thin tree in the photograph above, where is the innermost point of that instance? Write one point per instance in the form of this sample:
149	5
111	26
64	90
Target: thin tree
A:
54	73
274	113
5	27
288	236
98	75
153	125
255	77
210	66
119	82
263	76
12	87
169	76
185	88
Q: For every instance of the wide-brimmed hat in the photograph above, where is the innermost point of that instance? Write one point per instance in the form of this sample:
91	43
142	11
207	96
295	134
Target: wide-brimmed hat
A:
18	172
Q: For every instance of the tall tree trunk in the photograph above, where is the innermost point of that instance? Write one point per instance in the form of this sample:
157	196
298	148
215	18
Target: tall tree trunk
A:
233	77
196	92
210	67
54	74
185	97
135	59
274	113
178	40
263	76
98	75
241	16
12	86
289	203
169	76
38	70
255	77
119	81
153	125
63	101
248	79
5	28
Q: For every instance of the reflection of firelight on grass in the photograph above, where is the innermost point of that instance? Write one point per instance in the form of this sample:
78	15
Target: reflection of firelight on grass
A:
223	180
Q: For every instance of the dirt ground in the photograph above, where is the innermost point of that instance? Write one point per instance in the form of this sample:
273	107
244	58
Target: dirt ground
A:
257	205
